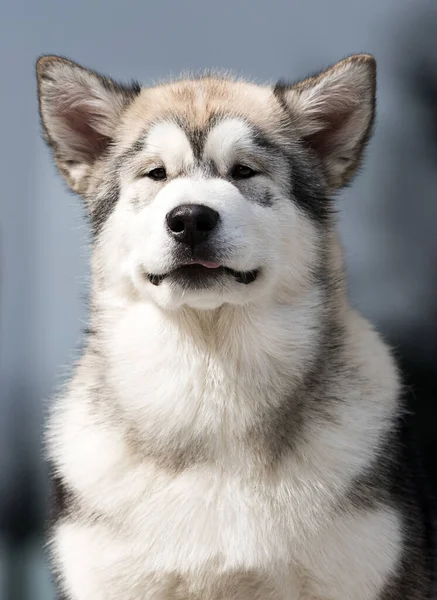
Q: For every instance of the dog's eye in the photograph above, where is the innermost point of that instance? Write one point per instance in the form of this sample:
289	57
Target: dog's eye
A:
158	174
242	172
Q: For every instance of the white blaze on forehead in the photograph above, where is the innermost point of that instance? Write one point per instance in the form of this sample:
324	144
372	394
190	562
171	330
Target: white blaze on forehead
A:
168	142
227	141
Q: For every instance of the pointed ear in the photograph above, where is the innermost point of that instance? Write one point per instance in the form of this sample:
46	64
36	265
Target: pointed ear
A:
79	111
334	113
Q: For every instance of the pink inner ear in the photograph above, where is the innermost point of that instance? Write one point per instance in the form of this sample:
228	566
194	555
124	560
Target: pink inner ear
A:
85	139
328	137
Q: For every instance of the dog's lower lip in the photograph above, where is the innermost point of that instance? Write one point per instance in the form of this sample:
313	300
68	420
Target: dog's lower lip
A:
244	277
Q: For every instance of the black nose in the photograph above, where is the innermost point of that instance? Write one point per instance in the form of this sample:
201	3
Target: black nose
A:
191	223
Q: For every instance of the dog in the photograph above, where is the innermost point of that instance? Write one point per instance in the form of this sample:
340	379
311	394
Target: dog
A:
234	429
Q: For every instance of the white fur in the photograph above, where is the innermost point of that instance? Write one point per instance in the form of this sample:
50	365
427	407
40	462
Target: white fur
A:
228	143
231	513
169	145
137	240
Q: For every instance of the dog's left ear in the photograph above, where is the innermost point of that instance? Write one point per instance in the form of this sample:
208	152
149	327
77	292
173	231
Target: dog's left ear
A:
80	111
333	113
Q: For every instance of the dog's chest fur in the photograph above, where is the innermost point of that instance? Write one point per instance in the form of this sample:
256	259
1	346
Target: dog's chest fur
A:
174	480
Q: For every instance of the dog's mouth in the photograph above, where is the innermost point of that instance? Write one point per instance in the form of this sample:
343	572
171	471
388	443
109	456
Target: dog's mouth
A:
202	274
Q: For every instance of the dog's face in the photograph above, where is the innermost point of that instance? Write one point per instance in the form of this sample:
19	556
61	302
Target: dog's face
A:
207	191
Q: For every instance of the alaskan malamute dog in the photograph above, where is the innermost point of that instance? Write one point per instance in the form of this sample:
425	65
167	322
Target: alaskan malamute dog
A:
234	429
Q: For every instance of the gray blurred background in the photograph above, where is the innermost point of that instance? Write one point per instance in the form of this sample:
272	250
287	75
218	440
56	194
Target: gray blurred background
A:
388	218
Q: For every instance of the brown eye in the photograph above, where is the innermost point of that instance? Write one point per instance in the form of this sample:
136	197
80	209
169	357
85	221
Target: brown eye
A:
158	174
242	172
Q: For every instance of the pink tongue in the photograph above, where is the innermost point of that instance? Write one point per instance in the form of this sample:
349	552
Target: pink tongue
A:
207	265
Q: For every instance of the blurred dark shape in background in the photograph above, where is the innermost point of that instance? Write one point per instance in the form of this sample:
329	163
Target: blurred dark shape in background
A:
412	205
388	218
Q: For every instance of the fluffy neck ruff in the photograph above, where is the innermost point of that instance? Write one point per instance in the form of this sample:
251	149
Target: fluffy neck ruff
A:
192	386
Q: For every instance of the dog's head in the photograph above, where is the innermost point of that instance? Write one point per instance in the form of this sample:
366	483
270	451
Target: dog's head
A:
208	190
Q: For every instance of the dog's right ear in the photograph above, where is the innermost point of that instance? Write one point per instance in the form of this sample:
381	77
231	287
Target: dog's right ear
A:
334	112
79	111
